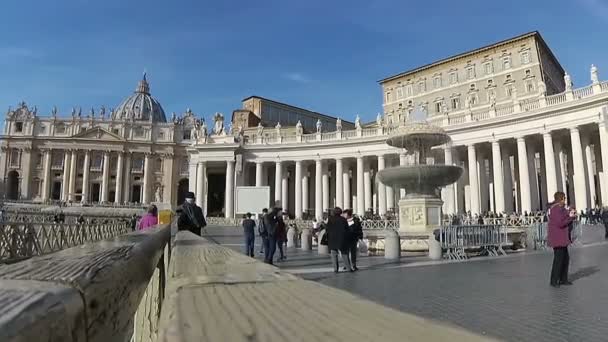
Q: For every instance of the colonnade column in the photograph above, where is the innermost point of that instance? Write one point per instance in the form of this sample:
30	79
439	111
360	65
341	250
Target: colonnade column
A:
580	187
146	184
590	173
278	180
448	190
524	176
46	181
66	176
298	190
603	127
507	181
325	178
346	187
562	159
127	180
550	171
119	181
381	189
473	180
259	169
367	178
105	177
339	184
305	189
72	185
318	190
201	172
360	188
229	190
497	170
85	177
284	191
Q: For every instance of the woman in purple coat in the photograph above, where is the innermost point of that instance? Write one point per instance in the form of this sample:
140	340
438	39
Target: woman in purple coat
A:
559	239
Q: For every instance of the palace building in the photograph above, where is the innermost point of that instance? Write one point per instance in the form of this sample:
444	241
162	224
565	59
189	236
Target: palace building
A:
518	126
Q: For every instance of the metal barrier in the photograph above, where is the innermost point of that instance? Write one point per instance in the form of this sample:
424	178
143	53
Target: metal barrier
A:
20	240
540	236
456	240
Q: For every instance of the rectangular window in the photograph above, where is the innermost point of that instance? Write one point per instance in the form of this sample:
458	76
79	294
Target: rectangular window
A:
400	92
421	87
488	68
408	90
529	86
491	95
437	107
453	77
437	82
138	165
14	162
455	103
18	127
186	135
509	90
525	57
506	63
116	131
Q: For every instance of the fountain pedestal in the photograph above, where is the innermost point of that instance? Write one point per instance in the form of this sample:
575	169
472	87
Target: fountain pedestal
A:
418	217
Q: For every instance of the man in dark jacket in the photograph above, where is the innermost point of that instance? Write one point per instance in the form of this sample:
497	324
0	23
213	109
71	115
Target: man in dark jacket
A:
249	234
191	217
355	233
270	225
604	217
337	240
262	230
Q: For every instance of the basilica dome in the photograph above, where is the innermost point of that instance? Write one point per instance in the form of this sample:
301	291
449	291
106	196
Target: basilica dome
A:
140	106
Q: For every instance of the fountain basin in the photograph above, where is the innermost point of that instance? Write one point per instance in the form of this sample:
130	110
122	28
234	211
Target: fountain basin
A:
416	135
420	179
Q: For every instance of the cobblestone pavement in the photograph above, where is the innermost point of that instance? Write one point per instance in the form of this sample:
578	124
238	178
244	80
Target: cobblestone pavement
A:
506	297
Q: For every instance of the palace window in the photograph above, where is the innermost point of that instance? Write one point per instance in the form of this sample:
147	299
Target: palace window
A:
509	90
525	57
437	82
491	95
138	164
18	127
488	68
470	72
455	103
438	106
14	158
186	134
529	86
36	185
138	132
421	87
506	63
96	161
408	90
60	128
38	161
399	92
453	77
473	99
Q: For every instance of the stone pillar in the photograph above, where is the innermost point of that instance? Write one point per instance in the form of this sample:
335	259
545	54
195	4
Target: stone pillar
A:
590	172
367	178
497	171
192	167
278	180
259	173
524	176
448	191
305	191
508	181
550	165
580	187
46	185
360	188
482	175
318	189
126	197
105	177
73	175
339	184
561	159
66	176
325	178
147	170
229	191
119	181
381	189
201	173
26	171
346	188
603	130
85	176
473	180
298	190
402	162
284	191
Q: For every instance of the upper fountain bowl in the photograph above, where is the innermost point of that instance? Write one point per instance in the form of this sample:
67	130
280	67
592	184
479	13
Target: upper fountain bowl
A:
416	134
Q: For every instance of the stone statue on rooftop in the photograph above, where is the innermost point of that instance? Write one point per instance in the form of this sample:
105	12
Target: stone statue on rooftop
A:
379	120
218	127
338	124
260	130
568	82
595	79
357	122
319	125
299	128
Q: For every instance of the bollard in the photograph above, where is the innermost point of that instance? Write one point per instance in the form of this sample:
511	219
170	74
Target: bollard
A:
306	239
435	252
392	245
291	237
322	249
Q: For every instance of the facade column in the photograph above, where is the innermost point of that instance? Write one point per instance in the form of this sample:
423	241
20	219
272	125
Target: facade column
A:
550	171
473	180
580	187
603	129
278	180
360	188
318	190
402	162
65	181
285	191
259	173
497	171
346	188
229	190
119	182
325	184
367	178
381	189
298	190
146	185
305	187
201	172
590	172
534	195
126	197
339	179
449	189
46	187
73	175
105	180
524	176
507	182
85	176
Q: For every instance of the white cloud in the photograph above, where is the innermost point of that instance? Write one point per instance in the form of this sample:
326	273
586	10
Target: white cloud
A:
296	77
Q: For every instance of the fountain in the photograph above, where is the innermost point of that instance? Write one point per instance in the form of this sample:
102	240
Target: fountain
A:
420	209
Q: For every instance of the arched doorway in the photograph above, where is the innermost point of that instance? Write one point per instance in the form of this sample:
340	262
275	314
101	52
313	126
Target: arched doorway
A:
182	190
12	185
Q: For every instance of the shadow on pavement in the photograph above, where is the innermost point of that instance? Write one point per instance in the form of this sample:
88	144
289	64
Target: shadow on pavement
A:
584	272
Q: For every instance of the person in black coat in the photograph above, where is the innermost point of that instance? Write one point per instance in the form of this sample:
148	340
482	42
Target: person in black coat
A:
270	243
604	217
337	239
355	233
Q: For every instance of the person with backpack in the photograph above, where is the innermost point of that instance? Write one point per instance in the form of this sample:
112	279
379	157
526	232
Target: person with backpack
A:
191	217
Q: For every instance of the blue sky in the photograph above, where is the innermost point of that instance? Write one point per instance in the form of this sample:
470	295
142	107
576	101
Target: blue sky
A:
209	55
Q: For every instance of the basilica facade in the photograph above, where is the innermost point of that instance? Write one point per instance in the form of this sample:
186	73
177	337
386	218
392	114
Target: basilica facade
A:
519	128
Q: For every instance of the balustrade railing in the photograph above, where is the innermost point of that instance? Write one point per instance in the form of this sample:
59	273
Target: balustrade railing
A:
349	134
556	99
454	120
483	115
604	86
530	104
505	110
583	92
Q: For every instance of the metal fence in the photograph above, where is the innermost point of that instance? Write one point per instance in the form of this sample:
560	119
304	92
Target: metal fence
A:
539	234
49	217
457	241
21	240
